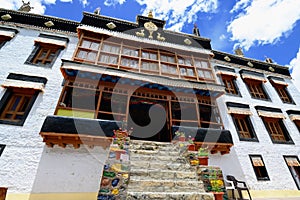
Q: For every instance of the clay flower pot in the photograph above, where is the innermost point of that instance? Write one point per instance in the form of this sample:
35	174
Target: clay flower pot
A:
203	160
218	195
191	147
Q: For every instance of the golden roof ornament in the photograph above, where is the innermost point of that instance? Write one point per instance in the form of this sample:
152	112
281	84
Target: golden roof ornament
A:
151	27
150	14
25	7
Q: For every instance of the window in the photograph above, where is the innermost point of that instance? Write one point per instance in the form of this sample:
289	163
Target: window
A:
3	40
294	167
6	34
282	92
297	123
16	104
2	146
259	167
46	55
47	49
230	85
244	127
256	89
277	130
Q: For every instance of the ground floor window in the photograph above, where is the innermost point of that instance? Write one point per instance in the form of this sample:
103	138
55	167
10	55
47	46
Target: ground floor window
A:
294	167
2	146
259	167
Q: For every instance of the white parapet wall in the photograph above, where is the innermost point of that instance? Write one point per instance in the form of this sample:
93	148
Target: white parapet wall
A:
21	157
272	154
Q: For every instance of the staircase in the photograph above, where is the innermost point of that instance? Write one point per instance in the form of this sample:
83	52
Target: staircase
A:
159	171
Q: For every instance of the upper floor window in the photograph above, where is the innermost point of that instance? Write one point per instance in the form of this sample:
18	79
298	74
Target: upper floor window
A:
6	34
19	97
228	77
281	88
272	119
241	117
295	117
47	49
144	58
254	82
230	85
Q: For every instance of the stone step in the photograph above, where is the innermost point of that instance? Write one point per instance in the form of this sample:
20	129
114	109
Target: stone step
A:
170	185
155	152
163	174
170	195
158	158
167	165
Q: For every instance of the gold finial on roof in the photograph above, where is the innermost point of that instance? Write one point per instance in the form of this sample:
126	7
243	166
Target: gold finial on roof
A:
150	15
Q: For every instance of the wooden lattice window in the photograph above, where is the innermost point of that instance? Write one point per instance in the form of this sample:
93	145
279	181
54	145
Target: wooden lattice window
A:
256	89
3	40
230	86
44	54
259	167
283	93
243	126
276	129
16	104
297	122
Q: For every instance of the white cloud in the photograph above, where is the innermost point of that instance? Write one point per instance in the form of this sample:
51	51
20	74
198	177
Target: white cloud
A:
113	2
263	22
240	5
175	12
295	67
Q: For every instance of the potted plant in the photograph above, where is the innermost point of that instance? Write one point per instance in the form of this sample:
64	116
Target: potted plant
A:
191	143
203	155
120	142
180	135
216	187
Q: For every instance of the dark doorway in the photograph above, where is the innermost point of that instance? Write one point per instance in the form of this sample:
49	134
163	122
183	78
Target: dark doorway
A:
149	119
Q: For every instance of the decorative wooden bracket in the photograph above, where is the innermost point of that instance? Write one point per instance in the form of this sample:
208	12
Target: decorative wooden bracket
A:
63	139
223	148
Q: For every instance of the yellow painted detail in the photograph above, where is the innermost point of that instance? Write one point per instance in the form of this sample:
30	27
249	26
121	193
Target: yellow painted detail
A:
53	196
75	113
272	193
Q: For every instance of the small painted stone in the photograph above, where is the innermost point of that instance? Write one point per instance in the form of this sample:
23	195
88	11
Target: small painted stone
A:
115	191
115	182
104	190
125	176
112	154
109	174
106	167
116	167
105	182
125	167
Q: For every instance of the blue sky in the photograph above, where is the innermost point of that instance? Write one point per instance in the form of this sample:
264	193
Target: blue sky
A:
262	28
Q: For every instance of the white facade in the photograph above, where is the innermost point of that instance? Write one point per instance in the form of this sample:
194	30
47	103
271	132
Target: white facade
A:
272	154
24	147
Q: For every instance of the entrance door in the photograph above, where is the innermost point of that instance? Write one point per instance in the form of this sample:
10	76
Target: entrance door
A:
149	119
294	167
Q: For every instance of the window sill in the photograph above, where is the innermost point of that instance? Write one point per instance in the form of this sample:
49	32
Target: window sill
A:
263	179
20	123
249	140
287	142
233	95
39	65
